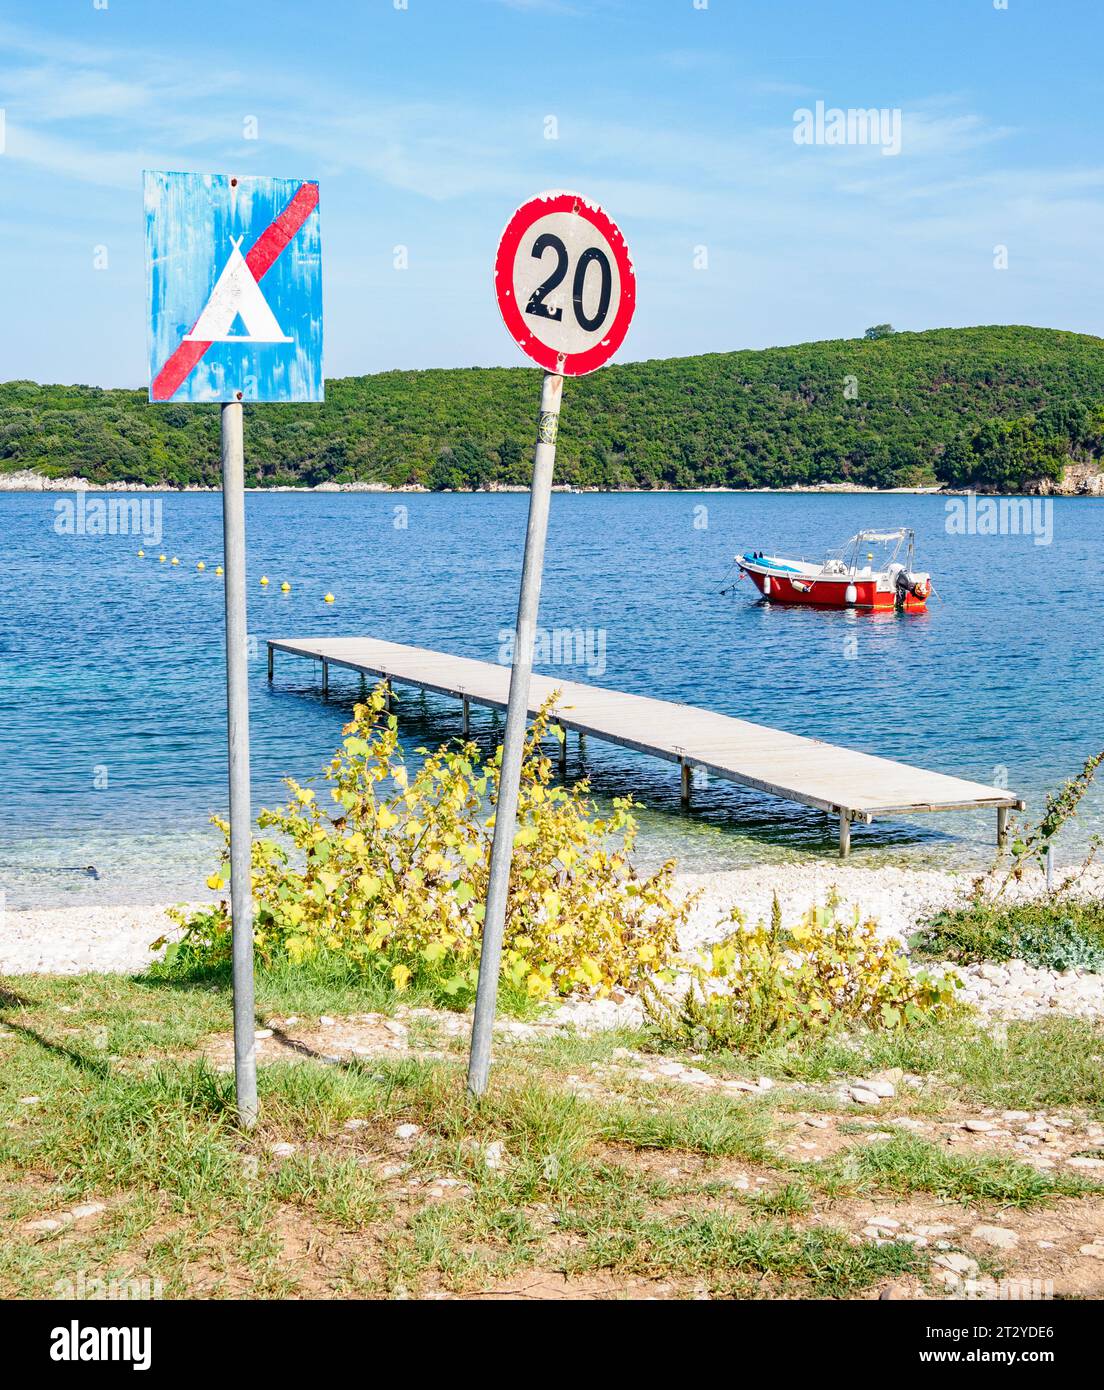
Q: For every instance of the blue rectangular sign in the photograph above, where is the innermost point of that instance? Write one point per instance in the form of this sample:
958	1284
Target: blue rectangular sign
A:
234	280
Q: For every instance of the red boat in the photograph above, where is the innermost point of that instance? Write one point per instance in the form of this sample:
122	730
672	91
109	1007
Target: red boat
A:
849	578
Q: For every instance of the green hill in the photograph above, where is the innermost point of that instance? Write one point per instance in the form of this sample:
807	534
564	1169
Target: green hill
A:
879	412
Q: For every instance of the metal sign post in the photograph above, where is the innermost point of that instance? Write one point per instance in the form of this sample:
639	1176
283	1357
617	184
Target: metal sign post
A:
513	743
567	291
201	285
237	731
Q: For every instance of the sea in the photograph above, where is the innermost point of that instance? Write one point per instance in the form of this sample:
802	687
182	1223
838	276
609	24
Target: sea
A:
112	680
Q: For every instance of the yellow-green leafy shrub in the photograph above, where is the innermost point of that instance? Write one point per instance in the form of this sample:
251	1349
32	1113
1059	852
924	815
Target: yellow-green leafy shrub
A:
774	982
392	873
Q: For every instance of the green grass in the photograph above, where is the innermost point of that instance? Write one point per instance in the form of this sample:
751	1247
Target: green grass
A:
1055	934
1023	1065
708	1124
128	1113
739	1255
906	1163
328	984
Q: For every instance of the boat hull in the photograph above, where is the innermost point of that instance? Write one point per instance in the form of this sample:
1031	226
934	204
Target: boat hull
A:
828	593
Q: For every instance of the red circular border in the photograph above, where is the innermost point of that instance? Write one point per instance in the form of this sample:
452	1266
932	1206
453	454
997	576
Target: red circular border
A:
577	363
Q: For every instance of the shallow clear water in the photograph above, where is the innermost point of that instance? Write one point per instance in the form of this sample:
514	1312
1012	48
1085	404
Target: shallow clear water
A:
112	729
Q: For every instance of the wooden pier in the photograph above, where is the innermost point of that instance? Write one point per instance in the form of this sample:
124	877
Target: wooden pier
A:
854	786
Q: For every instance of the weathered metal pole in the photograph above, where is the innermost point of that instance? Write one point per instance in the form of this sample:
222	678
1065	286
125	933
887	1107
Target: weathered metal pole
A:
513	743
237	724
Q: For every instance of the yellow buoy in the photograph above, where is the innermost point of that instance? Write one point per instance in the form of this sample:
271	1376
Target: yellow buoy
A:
218	570
201	566
161	558
174	561
329	598
264	579
141	555
285	587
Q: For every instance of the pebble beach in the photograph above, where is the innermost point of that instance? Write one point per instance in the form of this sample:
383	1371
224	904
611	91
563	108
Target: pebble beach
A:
75	940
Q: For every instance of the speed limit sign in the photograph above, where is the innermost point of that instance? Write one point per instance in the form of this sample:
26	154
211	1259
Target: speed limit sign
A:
565	283
567	292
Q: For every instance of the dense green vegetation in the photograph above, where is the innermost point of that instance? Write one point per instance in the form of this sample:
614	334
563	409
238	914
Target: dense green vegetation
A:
996	407
1055	934
1008	455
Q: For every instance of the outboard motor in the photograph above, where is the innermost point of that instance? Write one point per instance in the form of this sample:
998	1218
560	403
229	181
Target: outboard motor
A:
918	585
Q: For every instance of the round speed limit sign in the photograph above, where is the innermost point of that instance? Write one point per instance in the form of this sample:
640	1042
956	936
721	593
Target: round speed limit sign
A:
565	283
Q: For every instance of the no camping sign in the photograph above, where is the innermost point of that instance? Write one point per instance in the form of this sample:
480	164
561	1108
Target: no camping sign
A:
234	298
234	280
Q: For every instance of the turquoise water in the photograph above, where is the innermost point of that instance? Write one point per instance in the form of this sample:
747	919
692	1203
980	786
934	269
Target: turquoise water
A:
112	728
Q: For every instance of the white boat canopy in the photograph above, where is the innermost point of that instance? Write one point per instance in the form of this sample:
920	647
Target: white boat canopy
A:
879	536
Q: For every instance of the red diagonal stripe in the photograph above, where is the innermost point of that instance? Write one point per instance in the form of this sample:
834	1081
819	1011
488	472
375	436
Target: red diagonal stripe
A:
273	239
259	258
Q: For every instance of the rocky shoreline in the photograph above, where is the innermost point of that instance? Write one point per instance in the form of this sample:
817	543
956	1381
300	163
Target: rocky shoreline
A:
27	480
74	940
1080	481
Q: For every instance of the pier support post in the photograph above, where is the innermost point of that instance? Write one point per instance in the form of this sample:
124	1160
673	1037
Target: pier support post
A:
686	780
582	748
563	753
389	695
325	679
1002	826
271	654
465	718
845	834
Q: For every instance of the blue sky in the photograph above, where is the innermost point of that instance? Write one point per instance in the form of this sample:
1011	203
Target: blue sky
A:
426	126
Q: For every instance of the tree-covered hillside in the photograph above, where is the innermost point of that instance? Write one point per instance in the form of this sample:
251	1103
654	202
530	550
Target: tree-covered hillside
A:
879	411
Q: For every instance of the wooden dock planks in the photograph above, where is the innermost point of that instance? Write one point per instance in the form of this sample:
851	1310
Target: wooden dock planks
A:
853	785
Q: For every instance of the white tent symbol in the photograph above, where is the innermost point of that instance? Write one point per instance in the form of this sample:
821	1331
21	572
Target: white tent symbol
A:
236	294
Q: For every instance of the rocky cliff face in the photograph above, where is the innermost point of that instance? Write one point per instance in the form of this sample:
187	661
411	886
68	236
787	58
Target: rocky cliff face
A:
1079	480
